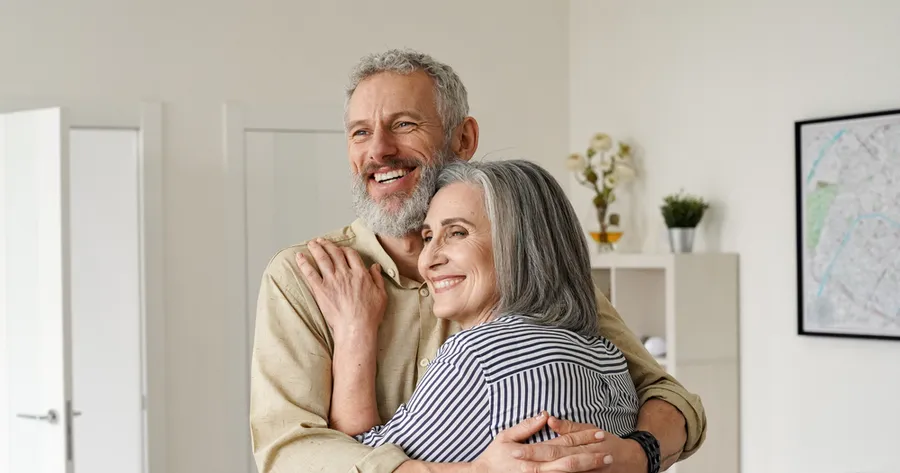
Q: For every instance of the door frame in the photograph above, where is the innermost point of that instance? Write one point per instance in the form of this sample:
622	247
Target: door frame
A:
237	120
146	118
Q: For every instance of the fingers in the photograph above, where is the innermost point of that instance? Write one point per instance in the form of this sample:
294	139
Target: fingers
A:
322	257
569	444
525	429
337	255
578	463
353	259
375	270
313	278
563	427
576	439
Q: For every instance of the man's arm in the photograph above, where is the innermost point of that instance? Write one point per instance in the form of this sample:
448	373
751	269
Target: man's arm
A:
675	417
290	385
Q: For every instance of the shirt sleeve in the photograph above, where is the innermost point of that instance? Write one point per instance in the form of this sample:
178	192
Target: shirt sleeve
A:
290	385
650	379
447	416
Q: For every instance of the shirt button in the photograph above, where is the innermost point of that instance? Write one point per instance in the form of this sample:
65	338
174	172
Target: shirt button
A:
423	362
423	292
392	273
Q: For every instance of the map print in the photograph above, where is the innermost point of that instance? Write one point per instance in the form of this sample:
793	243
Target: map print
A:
849	228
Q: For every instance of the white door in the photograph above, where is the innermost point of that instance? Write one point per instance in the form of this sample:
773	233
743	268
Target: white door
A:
34	293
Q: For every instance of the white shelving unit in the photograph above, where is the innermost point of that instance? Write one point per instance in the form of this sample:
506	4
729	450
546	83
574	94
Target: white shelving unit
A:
690	300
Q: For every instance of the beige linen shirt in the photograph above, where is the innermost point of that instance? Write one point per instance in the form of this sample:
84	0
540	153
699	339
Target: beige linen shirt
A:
291	369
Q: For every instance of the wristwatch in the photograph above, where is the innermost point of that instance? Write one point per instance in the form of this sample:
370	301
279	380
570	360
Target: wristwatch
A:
651	447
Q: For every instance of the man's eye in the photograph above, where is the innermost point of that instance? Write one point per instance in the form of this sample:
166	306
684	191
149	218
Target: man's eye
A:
405	124
458	233
359	133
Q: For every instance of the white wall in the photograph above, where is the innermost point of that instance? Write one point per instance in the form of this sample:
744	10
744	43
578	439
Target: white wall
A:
710	91
194	55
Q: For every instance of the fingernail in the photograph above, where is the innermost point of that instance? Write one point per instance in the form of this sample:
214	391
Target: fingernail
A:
607	459
599	436
517	454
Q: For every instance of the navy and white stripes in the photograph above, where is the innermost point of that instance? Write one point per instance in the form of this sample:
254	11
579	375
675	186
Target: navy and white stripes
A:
495	375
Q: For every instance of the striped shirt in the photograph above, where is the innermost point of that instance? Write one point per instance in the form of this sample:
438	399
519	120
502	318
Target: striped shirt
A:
495	375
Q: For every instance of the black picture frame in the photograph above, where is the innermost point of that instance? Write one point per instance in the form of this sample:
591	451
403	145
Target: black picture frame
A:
812	309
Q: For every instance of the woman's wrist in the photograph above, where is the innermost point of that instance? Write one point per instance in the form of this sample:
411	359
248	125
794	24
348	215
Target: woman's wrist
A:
355	337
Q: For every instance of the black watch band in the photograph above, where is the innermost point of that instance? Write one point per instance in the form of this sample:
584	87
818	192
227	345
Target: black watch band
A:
651	447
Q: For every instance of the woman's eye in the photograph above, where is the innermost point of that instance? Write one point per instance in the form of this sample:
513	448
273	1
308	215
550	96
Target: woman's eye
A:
426	239
458	233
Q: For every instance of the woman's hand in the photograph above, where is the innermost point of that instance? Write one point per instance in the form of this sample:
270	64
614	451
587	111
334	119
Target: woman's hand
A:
352	298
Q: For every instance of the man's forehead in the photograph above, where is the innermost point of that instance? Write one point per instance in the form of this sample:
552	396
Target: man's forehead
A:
391	93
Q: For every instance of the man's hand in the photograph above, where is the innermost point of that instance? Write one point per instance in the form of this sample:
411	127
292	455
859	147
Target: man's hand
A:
619	455
351	297
576	451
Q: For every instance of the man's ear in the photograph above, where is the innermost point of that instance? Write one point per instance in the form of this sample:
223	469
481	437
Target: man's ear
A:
465	140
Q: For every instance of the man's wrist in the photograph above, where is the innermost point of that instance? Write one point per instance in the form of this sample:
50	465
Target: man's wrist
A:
638	455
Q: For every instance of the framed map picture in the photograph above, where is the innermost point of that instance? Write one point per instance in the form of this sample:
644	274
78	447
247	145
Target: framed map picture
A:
848	225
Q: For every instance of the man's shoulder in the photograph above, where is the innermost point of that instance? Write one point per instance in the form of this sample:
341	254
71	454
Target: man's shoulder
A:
285	258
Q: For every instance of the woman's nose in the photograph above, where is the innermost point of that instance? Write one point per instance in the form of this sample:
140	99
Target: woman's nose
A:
433	255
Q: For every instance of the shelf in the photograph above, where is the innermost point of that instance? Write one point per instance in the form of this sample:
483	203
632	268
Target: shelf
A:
649	260
632	260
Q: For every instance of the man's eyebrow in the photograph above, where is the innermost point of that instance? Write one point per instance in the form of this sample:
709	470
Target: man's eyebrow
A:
412	114
355	123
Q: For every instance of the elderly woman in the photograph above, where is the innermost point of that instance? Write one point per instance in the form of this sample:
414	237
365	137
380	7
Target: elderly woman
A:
505	259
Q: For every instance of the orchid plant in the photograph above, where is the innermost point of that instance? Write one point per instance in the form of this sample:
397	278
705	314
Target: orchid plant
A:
606	165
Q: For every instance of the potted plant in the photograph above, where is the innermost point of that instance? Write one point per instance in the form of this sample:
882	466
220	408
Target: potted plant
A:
682	213
604	166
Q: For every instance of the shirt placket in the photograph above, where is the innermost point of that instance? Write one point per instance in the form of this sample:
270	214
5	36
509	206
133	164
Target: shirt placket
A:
427	322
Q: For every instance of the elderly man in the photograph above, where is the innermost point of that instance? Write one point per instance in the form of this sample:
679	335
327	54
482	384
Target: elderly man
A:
407	113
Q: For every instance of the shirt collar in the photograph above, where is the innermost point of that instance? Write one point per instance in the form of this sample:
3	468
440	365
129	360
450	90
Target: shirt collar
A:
368	243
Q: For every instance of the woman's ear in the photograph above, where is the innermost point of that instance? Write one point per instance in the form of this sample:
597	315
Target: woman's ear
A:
465	140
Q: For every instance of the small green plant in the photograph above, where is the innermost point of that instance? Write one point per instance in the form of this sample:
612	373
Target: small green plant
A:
683	210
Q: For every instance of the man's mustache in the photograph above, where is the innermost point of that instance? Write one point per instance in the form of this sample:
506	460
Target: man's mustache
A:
370	167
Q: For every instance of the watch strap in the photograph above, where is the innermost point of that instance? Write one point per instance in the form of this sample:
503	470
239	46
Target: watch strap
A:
651	447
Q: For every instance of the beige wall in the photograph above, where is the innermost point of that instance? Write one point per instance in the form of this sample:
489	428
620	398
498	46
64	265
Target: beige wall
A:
194	55
710	90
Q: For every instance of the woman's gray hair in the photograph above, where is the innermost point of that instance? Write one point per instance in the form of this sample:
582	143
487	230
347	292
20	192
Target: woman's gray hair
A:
451	98
540	254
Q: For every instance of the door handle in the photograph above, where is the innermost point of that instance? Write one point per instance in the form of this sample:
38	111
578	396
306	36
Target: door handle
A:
51	416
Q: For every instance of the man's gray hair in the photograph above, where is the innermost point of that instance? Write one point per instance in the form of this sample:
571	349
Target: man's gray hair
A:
451	98
540	254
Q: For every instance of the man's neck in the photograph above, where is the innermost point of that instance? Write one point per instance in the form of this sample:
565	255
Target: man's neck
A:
405	252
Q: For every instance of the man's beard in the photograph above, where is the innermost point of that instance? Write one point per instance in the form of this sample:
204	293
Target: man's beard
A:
402	213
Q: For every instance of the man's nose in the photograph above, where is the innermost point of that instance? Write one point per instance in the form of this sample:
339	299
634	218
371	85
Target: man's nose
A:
383	145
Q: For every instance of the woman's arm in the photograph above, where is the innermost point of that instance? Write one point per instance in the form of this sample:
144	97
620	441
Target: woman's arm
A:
353	405
340	281
447	416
